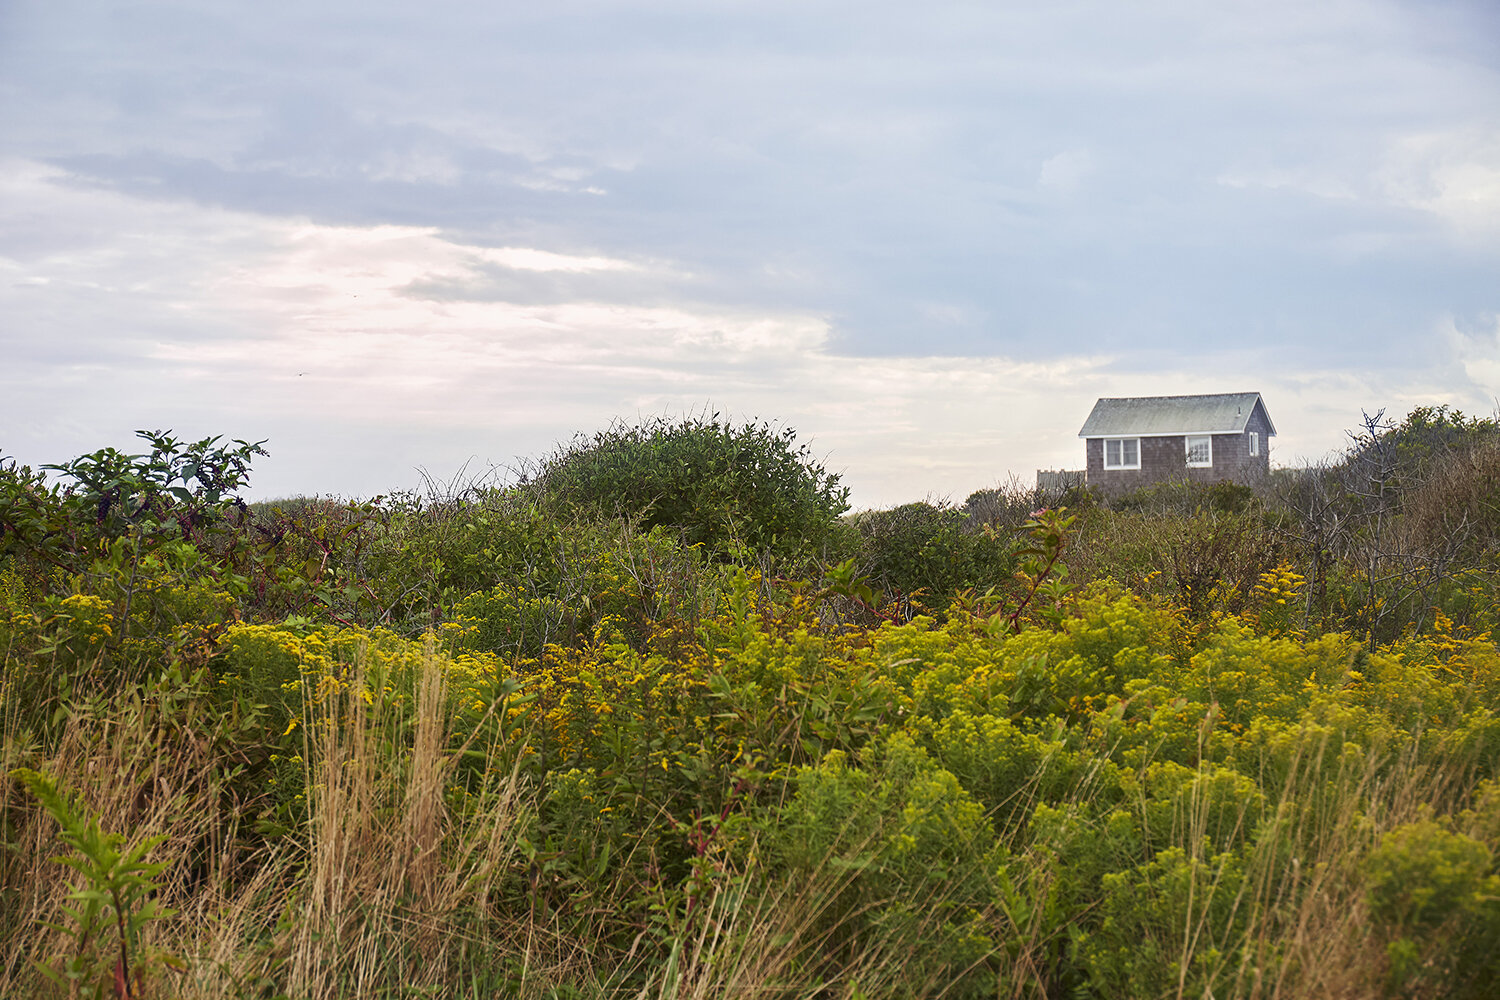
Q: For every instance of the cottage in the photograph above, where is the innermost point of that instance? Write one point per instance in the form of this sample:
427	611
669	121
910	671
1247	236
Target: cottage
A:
1148	439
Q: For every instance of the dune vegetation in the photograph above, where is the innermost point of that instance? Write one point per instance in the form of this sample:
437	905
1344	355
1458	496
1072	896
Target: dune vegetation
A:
660	717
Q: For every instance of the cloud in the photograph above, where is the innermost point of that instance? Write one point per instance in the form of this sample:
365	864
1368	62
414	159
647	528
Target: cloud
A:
263	326
1453	175
388	238
1475	347
1065	171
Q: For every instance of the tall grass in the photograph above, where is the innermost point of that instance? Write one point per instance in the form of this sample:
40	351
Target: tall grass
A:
389	891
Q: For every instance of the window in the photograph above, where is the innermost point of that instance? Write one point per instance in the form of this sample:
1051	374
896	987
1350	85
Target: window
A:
1200	452
1254	444
1122	453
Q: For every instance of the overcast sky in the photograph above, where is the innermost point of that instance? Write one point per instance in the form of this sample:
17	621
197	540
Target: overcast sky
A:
391	237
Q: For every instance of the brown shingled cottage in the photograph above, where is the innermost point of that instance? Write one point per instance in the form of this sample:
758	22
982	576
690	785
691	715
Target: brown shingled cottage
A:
1147	439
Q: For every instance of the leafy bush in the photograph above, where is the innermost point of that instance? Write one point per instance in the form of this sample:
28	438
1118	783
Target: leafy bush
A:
1429	434
1187	497
580	762
1435	893
902	854
178	490
721	485
1012	505
928	551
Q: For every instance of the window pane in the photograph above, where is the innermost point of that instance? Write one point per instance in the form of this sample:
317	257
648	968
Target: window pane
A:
1122	453
1254	443
1199	451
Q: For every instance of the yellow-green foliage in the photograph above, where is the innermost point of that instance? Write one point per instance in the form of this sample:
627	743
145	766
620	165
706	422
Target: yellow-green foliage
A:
302	667
1435	898
1118	805
494	744
901	847
1163	773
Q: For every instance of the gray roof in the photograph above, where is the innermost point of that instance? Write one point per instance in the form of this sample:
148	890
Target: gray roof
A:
1148	416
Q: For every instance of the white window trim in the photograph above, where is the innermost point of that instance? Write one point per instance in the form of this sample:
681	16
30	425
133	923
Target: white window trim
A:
1187	450
1254	444
1112	468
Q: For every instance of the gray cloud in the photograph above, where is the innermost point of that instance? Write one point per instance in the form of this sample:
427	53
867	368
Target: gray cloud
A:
1298	186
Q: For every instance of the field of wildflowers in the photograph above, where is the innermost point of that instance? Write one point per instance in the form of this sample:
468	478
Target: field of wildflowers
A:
486	747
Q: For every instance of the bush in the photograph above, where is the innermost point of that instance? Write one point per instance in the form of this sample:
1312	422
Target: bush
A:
920	548
1431	432
1180	496
1434	892
723	486
178	490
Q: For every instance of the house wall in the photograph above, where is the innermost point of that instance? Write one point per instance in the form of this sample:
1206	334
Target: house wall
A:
1161	458
1232	458
1165	458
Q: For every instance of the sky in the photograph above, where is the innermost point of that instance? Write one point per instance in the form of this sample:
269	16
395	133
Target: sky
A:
412	244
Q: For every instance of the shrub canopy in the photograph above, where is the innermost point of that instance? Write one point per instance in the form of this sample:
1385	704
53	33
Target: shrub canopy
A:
718	483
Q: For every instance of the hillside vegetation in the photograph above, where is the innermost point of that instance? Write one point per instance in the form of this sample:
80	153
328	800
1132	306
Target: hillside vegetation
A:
662	719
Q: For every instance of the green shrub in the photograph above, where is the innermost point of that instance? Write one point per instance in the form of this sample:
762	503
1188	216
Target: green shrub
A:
1168	927
1430	434
1181	496
592	572
928	550
1008	769
1435	894
900	854
178	490
1012	505
721	485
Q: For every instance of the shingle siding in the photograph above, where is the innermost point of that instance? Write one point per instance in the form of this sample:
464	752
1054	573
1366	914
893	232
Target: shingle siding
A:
1164	458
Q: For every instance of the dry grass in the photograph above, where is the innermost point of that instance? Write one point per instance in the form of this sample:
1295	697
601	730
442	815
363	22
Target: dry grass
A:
384	895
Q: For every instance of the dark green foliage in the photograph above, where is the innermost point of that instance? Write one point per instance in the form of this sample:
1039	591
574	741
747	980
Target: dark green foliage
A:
722	486
1012	505
176	483
36	527
928	549
424	560
1429	433
1187	497
177	490
179	493
586	574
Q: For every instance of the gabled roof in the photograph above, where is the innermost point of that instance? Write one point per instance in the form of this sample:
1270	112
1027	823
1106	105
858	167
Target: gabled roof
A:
1150	416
